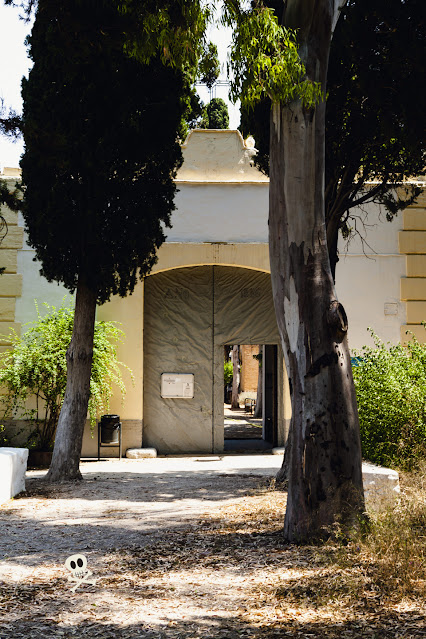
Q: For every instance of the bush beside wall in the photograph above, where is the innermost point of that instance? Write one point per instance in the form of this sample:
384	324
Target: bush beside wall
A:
390	382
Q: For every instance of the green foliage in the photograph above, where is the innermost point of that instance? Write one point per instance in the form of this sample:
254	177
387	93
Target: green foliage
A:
256	122
228	373
10	121
390	383
37	367
3	439
173	29
264	59
209	66
12	199
215	115
173	32
191	112
373	132
101	144
372	118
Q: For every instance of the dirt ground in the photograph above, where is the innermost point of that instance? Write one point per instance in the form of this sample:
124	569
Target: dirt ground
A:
177	548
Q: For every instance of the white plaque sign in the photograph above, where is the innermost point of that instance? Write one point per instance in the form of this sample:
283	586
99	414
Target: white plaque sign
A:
177	385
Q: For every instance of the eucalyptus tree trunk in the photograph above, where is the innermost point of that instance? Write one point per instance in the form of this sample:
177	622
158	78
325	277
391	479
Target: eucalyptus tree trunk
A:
324	456
69	433
235	376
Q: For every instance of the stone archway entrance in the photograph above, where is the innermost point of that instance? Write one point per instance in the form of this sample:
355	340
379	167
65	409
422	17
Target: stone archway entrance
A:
189	315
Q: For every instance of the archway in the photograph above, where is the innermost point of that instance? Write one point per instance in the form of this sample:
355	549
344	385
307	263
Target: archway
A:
189	315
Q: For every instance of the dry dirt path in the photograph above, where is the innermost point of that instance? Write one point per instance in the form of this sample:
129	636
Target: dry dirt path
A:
119	503
178	548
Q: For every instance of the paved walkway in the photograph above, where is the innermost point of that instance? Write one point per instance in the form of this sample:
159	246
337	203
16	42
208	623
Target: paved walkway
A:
239	424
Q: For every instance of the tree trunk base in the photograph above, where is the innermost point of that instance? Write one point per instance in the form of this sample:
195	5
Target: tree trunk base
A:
281	478
58	478
72	419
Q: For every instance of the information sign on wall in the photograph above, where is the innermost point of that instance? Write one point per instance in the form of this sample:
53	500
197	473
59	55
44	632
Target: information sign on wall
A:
177	385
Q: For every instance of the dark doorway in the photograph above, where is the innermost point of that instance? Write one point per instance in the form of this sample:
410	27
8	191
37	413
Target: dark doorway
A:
252	423
270	394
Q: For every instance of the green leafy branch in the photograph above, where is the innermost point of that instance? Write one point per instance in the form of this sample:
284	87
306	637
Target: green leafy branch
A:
264	59
174	30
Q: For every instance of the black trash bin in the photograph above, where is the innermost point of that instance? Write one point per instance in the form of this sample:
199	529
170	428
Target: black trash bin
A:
110	429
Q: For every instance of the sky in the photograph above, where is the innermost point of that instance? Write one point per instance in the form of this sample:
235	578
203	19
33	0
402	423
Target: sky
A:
14	64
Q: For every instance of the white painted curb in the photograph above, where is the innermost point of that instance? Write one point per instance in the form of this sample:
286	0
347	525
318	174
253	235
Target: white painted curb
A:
13	466
141	453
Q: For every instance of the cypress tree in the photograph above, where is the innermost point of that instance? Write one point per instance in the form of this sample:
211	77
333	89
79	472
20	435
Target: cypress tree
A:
101	151
216	115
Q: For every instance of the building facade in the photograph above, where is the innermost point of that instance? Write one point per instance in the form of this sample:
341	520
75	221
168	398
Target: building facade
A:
211	288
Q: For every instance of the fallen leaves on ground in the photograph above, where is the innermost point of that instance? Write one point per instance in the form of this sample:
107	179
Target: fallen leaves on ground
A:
223	577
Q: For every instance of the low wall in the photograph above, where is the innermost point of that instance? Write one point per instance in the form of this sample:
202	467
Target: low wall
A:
13	466
381	486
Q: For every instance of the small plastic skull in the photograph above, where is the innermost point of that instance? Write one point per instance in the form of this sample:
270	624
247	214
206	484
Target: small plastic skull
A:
77	564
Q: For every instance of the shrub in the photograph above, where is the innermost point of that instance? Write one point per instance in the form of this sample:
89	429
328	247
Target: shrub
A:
228	373
3	439
390	383
36	367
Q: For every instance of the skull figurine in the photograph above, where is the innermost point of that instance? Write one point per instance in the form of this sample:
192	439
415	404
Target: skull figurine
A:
77	565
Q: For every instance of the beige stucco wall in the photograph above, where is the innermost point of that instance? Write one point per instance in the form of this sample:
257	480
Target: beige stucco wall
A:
221	196
368	279
225	212
221	219
412	242
11	280
129	313
178	254
249	372
36	288
220	156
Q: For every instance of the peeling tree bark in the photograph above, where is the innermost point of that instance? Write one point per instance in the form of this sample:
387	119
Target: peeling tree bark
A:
235	376
69	433
324	457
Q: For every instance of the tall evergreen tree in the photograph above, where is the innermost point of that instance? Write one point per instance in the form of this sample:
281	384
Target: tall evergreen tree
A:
215	115
209	66
101	150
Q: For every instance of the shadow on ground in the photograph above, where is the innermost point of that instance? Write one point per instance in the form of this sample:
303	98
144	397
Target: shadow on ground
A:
146	487
51	522
408	625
